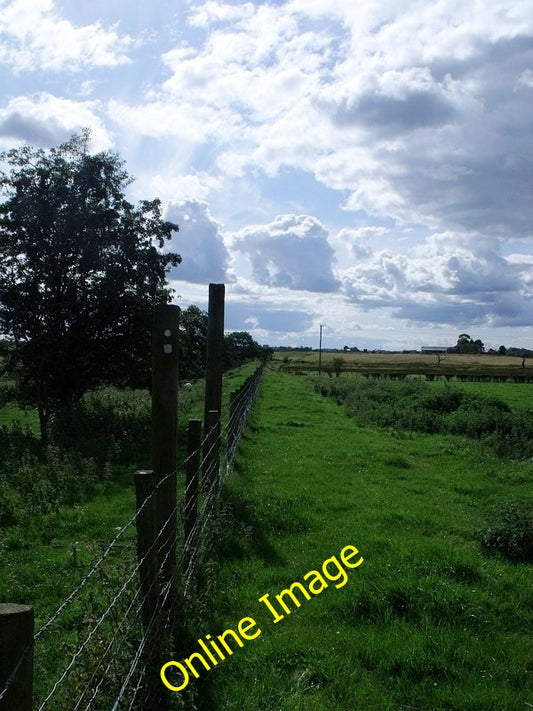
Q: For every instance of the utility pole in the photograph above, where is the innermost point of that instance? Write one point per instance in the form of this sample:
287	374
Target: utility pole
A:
320	351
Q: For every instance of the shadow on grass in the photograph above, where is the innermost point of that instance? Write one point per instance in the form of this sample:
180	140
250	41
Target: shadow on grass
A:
242	531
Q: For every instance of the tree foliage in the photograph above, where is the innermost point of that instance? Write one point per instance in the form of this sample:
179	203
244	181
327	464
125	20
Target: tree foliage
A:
80	271
239	346
466	344
193	343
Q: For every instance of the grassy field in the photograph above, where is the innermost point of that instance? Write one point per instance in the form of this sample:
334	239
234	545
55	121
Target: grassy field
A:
516	395
411	363
428	621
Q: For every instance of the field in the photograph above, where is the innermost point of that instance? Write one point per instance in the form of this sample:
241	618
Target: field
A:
451	365
429	620
435	618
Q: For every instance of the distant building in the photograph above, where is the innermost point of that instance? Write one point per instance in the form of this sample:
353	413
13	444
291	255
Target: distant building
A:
434	349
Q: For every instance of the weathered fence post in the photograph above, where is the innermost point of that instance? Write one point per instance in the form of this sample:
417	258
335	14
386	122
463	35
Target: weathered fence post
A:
194	443
212	452
16	636
165	431
215	355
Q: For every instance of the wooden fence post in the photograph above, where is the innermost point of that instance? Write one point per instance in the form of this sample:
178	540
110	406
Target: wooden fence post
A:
194	443
165	431
212	452
215	355
149	583
16	635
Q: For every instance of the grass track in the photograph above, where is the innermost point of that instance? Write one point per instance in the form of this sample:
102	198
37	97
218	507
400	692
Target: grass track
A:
426	622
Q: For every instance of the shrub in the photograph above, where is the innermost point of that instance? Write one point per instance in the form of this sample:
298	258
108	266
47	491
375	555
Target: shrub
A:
510	532
108	424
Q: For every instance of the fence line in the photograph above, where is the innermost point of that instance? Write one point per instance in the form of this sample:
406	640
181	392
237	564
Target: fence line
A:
122	612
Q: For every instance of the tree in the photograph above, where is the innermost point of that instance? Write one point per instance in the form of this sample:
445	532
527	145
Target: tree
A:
80	271
239	347
466	344
193	343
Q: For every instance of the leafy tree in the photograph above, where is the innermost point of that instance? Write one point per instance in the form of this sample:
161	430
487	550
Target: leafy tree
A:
239	347
80	271
502	350
466	344
193	343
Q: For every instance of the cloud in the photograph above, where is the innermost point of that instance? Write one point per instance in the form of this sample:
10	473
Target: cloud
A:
396	101
199	242
261	317
291	252
47	120
451	279
433	131
33	37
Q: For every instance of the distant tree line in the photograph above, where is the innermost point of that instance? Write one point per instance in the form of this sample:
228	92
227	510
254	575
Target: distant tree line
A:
239	346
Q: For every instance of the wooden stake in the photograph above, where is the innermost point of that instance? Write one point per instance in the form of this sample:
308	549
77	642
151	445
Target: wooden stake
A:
165	430
16	636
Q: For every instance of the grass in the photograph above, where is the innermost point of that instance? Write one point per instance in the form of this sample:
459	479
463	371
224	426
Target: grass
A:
516	395
428	621
27	418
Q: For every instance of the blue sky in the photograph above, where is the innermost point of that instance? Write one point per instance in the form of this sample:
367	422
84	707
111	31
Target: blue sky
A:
363	165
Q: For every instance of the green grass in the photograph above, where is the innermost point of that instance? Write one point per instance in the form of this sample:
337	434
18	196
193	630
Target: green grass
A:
428	621
27	418
516	395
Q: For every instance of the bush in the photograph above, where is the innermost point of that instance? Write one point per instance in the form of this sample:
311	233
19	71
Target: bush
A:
32	485
108	424
510	532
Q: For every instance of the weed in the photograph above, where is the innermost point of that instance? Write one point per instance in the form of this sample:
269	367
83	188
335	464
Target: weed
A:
510	531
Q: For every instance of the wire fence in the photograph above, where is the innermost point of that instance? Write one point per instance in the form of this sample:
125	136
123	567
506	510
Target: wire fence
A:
99	646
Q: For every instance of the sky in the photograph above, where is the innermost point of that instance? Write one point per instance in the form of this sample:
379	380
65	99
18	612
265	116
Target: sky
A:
364	166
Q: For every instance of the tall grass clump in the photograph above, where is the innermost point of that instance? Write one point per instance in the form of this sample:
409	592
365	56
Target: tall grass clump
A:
31	485
509	531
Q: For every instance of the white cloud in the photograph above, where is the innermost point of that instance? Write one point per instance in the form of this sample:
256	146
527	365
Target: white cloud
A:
46	120
33	37
199	242
291	252
450	279
412	129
